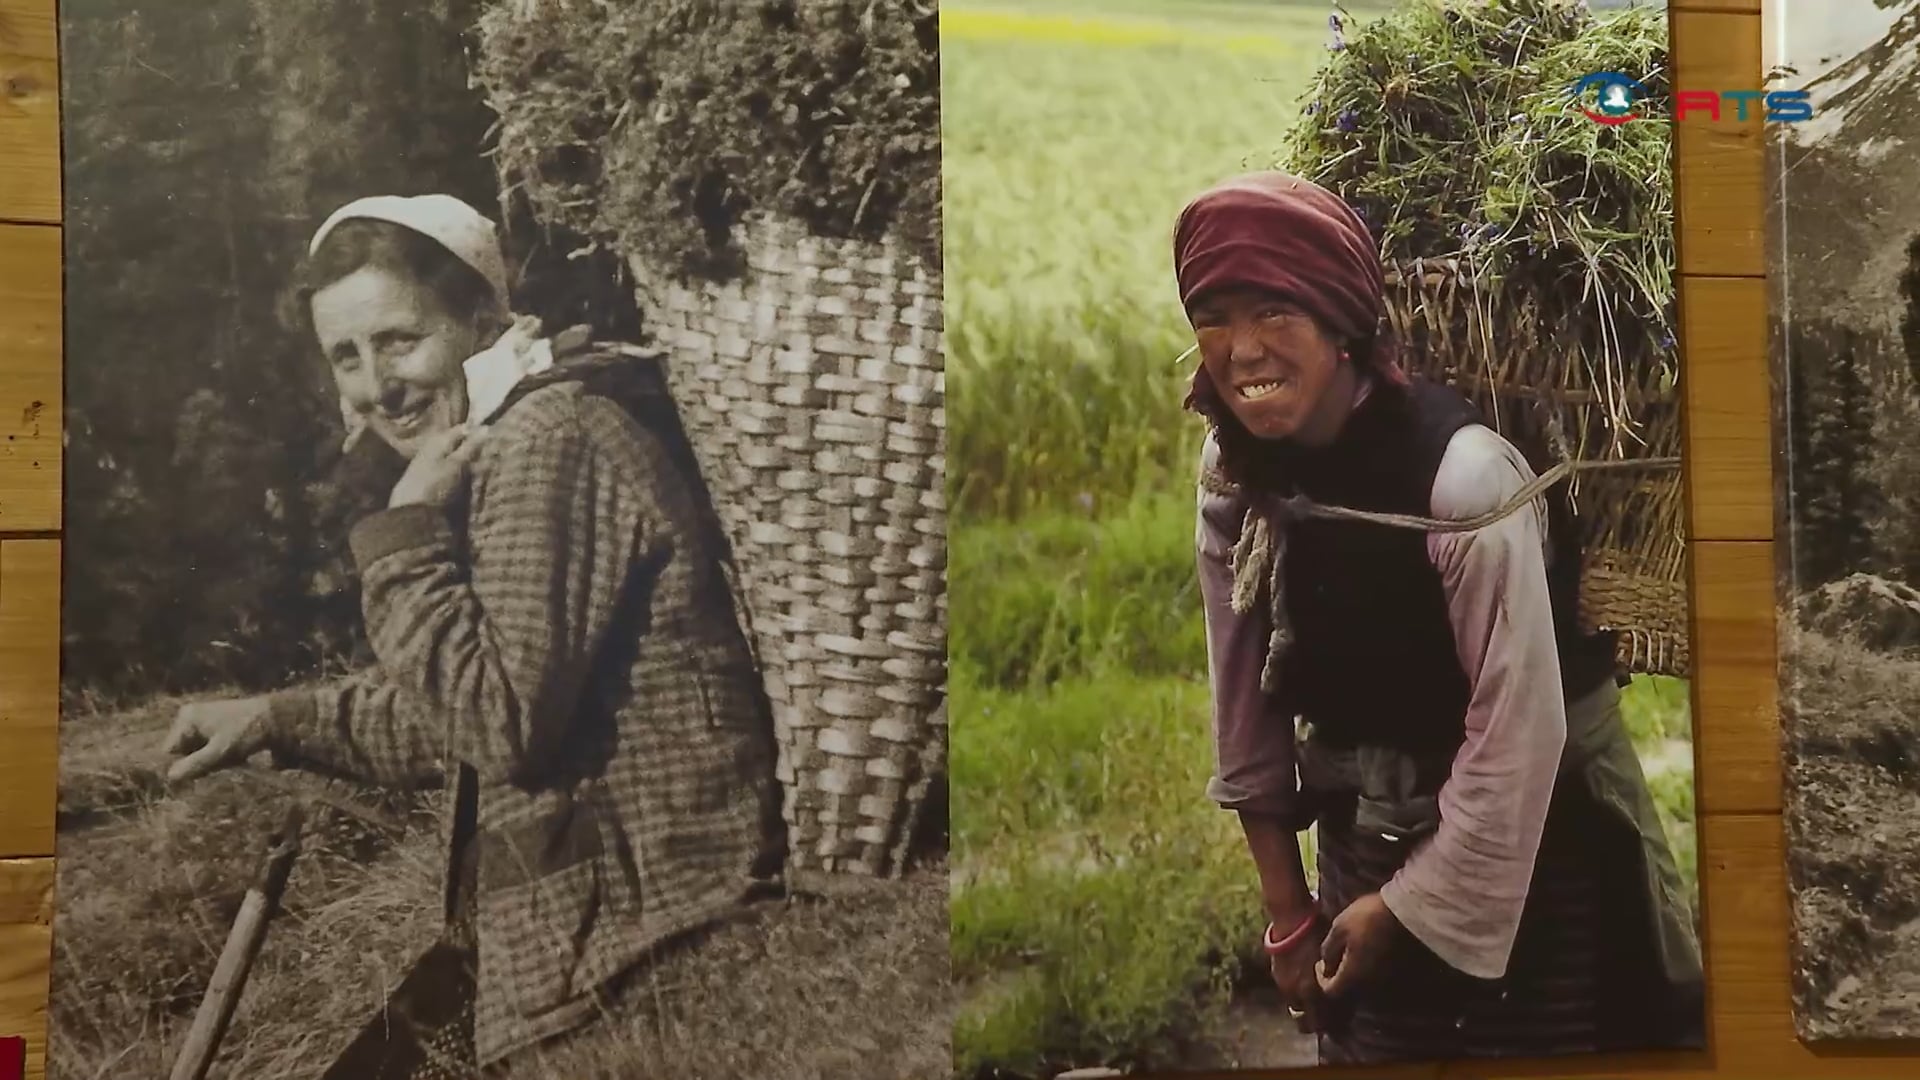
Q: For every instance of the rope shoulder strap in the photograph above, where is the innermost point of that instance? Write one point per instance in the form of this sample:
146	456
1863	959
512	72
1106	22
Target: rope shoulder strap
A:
1259	552
1299	507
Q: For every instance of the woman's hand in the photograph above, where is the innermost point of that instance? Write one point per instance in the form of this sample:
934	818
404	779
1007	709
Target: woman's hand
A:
1356	943
212	735
1294	974
438	471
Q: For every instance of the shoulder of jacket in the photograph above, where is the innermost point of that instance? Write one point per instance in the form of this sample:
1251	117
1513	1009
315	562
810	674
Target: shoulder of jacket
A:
541	411
1479	471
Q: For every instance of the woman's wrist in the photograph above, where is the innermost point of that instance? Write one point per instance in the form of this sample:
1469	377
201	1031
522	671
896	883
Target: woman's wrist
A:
1284	891
1289	911
1281	937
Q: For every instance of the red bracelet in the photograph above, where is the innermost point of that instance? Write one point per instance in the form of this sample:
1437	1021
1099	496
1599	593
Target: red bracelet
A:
1274	948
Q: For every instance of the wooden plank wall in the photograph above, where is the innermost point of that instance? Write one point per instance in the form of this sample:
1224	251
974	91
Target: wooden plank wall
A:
1716	45
29	509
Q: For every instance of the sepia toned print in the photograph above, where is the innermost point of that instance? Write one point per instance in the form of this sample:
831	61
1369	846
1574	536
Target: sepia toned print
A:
1322	624
1844	274
505	621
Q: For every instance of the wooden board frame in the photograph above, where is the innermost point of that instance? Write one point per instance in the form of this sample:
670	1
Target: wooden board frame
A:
1716	44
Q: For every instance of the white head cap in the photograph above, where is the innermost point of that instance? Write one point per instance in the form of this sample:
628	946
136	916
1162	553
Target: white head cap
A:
465	232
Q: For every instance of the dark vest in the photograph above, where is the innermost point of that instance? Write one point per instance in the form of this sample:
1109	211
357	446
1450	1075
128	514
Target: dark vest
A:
1373	658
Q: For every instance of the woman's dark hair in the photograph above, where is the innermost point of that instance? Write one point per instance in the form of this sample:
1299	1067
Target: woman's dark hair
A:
358	243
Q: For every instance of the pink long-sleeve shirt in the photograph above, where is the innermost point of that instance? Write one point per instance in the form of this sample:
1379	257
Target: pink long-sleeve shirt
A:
1461	892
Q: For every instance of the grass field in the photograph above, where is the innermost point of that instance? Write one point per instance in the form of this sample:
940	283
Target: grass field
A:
1066	159
1102	910
1853	810
150	880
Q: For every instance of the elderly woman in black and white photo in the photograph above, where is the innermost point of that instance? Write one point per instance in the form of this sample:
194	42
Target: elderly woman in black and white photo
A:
556	639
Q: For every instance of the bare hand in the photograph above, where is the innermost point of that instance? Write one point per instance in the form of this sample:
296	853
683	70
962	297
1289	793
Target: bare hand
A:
438	471
212	735
1356	943
1294	975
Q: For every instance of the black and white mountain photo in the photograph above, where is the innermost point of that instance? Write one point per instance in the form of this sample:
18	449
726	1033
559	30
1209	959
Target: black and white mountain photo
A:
1844	272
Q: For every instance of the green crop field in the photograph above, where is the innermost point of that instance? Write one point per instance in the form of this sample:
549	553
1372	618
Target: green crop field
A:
1103	911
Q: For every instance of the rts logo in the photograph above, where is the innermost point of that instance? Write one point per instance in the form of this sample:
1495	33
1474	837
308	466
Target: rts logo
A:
1614	96
1610	98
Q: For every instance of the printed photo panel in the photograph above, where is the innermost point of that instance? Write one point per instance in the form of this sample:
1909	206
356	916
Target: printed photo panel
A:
505	623
1844	270
1321	660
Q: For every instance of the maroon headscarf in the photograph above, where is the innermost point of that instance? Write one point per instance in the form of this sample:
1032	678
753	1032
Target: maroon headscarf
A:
1278	232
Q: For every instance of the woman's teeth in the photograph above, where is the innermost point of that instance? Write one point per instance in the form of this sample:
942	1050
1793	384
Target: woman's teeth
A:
408	418
1258	390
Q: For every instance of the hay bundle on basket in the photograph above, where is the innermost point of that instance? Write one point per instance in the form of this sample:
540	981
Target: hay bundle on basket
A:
1530	255
785	244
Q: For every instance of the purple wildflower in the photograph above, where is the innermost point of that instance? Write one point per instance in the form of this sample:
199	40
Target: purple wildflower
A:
1349	119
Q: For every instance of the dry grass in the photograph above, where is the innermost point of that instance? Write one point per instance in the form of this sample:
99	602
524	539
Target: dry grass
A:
854	986
1853	811
150	881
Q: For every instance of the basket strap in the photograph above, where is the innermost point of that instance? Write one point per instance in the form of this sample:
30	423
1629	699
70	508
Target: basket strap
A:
1298	507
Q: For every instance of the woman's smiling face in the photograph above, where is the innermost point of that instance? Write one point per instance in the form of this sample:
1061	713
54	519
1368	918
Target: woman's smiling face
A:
395	353
1273	365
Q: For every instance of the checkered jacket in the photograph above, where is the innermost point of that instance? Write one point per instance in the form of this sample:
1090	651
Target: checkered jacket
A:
571	638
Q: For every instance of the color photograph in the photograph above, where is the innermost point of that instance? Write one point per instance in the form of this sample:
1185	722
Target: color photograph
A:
504	624
1844	273
1320	642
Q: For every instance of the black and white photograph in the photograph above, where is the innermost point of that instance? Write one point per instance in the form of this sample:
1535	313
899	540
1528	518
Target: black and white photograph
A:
504	615
1844	270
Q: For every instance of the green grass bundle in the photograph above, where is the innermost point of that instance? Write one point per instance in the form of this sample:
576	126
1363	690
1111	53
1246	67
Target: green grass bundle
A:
1451	128
653	127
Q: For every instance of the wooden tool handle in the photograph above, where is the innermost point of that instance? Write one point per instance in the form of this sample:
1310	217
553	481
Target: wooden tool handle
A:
237	957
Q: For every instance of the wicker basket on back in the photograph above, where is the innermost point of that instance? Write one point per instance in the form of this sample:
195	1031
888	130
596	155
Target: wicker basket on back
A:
1531	378
813	390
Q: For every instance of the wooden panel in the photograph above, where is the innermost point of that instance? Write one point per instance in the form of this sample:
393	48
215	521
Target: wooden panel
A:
29	693
30	384
29	112
1729	449
1748	7
1716	46
1718	163
26	912
1738	758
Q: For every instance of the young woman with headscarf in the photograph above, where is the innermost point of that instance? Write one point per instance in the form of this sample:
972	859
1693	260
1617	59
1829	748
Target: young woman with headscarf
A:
1492	875
556	639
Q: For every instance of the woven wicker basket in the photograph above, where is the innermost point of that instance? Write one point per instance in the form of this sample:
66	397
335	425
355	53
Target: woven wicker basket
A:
813	392
1529	376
